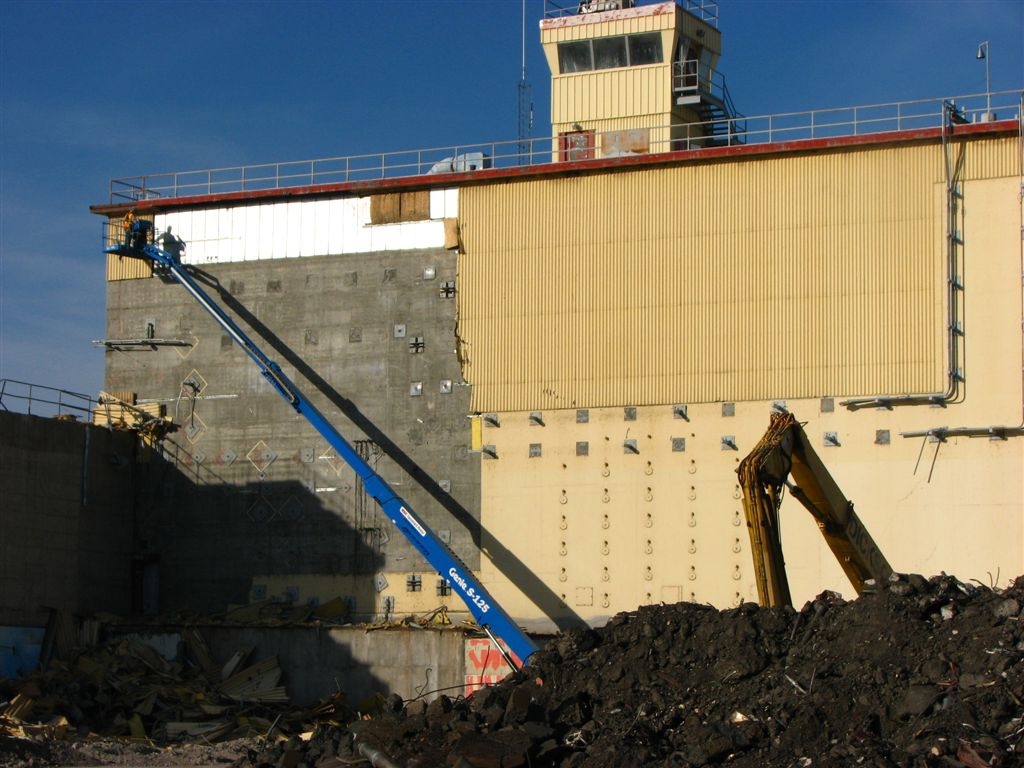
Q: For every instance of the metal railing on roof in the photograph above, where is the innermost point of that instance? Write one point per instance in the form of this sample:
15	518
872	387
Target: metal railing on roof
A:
38	400
517	153
64	405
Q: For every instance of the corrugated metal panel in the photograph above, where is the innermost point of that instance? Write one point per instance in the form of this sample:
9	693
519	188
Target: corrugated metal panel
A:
612	93
118	267
126	268
994	158
792	276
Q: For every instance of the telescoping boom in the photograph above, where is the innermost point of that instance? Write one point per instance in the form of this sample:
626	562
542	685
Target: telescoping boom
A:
486	612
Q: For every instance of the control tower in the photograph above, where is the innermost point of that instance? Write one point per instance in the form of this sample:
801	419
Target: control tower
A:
634	78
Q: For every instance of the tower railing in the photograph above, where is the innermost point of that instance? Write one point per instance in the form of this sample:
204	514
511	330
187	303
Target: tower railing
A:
705	10
762	129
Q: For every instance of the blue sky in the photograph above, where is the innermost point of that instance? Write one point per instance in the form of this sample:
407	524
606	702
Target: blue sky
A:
91	91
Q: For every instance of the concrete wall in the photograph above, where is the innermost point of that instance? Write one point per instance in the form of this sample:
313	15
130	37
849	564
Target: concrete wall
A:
258	505
80	507
316	662
67	518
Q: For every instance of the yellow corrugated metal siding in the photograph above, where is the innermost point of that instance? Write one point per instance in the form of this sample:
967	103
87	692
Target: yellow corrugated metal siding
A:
801	275
993	158
611	93
123	267
127	268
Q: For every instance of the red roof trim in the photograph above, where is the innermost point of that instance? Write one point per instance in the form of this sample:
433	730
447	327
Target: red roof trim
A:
491	175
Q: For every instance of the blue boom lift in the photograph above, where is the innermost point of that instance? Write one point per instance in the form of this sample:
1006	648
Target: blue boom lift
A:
490	616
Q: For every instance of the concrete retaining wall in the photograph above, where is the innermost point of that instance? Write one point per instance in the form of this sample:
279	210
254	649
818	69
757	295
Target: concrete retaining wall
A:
66	514
318	662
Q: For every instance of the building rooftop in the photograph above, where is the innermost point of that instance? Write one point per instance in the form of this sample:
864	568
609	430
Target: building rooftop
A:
516	155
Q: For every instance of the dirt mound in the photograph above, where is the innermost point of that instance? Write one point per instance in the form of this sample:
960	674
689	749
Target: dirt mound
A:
917	673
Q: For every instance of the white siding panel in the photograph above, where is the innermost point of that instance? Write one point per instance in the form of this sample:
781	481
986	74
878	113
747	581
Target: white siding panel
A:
298	229
427	234
235	250
214	238
319	227
358	232
379	237
390	237
364	228
444	203
333	223
178	221
197	229
297	238
437	204
409	236
279	231
195	244
251	234
225	226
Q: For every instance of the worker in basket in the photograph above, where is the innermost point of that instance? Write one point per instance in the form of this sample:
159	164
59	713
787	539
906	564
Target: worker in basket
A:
126	224
137	231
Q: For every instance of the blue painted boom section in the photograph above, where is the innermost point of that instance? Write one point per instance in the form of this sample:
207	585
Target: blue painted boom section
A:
486	612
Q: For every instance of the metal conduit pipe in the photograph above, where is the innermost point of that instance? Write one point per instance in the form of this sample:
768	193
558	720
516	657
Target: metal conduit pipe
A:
952	116
994	432
377	758
954	254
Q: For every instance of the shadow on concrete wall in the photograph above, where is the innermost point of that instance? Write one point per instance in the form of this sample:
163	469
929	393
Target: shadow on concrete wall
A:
504	559
206	543
65	518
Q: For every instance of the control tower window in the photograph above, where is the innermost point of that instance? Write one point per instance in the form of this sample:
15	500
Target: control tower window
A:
610	53
575	57
645	49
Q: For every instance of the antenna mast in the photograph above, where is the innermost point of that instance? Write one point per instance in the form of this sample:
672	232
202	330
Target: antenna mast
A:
525	105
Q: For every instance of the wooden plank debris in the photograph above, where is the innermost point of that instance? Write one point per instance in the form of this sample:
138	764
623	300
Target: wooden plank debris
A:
237	659
135	692
200	652
210	731
258	682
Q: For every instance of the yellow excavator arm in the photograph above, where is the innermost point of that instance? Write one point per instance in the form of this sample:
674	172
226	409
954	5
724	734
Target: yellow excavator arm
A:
784	450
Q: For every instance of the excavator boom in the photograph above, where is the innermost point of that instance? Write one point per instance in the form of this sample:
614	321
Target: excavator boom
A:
785	451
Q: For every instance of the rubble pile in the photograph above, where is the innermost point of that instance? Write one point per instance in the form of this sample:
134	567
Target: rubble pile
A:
914	673
123	697
917	673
